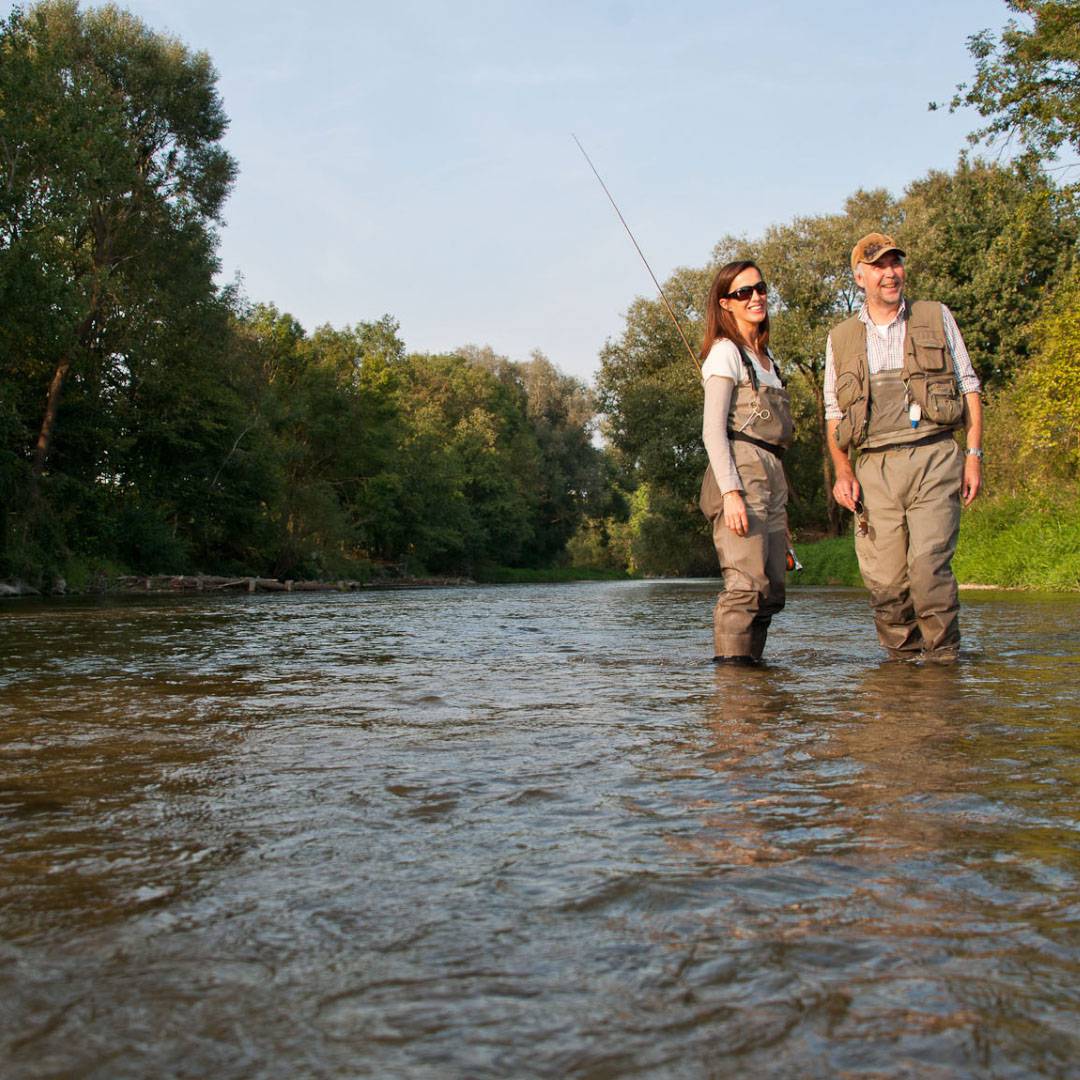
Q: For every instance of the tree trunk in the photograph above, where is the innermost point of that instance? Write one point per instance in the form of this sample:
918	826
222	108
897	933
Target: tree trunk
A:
48	423
52	404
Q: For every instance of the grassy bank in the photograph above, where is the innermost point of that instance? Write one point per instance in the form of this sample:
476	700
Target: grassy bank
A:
1008	542
827	562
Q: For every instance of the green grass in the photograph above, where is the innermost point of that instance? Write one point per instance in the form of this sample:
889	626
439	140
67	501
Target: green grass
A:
1021	543
1009	542
827	562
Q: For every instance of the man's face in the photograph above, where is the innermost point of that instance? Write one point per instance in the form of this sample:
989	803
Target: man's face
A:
882	281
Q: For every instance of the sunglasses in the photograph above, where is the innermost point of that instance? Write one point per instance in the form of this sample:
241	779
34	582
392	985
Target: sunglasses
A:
744	294
862	519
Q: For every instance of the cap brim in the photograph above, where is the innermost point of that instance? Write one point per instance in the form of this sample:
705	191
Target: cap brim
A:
885	251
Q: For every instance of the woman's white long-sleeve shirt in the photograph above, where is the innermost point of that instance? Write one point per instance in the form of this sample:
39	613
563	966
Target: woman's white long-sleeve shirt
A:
722	371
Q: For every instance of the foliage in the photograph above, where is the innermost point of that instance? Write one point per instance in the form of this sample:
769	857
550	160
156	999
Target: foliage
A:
989	241
112	176
1026	541
602	543
111	180
573	478
1049	388
150	420
185	430
827	562
1027	81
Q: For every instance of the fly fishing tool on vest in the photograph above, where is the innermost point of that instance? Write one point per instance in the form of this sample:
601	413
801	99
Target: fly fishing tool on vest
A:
757	414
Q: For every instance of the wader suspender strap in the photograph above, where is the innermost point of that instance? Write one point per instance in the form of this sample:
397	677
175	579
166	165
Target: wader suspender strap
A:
751	374
748	364
752	378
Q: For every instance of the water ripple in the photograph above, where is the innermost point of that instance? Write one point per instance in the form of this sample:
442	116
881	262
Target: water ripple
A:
531	831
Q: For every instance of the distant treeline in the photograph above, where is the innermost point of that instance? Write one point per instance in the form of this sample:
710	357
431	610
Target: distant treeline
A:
153	422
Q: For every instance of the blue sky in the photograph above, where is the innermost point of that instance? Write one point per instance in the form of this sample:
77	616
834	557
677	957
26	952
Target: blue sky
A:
416	158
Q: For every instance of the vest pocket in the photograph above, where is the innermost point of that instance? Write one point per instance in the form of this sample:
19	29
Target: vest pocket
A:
848	388
938	397
943	402
851	400
930	353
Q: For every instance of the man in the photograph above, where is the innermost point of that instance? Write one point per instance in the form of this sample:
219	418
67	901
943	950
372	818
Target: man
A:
898	383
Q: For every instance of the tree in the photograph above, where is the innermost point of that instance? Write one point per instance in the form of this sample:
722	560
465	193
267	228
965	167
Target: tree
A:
990	241
1049	388
649	394
110	155
1027	80
466	469
571	480
326	424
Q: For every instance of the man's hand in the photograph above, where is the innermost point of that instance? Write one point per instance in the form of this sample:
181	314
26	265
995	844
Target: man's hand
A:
846	489
972	479
735	513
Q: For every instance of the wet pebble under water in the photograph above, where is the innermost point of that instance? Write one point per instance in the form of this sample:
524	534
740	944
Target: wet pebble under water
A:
530	831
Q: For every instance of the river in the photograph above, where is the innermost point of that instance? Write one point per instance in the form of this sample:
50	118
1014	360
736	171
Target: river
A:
529	831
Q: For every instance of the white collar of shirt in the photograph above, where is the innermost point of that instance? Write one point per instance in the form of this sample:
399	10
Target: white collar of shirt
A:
883	329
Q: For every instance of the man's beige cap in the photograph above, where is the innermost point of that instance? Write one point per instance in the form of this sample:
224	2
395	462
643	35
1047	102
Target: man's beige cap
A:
871	247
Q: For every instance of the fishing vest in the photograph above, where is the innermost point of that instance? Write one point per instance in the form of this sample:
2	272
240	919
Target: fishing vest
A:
876	407
760	415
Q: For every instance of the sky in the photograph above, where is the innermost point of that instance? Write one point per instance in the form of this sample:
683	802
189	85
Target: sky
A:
416	158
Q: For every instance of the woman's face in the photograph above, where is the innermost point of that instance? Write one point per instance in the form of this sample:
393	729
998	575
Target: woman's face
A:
755	307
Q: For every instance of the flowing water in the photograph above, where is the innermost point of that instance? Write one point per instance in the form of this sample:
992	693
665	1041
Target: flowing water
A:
529	831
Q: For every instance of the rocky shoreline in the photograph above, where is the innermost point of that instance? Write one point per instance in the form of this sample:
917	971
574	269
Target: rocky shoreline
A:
171	584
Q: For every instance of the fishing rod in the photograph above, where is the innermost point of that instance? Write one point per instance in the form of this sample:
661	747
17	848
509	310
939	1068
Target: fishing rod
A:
663	295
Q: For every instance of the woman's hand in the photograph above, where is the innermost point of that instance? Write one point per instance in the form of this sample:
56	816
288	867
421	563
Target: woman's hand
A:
735	513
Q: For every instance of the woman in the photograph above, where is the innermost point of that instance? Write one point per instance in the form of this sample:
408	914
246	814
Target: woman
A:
746	427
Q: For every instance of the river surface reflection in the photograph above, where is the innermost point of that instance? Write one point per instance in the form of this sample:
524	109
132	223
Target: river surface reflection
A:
528	831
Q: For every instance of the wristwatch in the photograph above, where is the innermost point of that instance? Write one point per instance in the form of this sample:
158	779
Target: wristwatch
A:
971	451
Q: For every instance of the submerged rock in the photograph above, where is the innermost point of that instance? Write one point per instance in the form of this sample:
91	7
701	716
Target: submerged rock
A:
17	588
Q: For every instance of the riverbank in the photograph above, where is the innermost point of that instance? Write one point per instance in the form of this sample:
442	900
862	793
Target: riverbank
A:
173	584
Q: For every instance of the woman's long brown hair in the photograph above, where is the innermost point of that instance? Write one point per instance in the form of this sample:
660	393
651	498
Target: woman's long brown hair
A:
719	322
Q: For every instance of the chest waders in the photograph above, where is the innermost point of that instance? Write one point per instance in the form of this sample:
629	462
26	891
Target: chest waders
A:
910	472
760	429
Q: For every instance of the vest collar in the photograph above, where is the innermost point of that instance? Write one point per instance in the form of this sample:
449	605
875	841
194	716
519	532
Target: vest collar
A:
902	313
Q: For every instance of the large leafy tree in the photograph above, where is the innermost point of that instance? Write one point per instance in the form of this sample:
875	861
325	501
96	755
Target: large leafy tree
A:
571	480
990	241
324	427
1027	80
468	466
111	171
